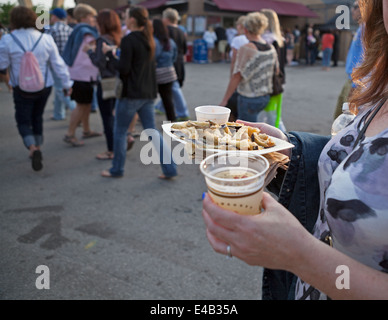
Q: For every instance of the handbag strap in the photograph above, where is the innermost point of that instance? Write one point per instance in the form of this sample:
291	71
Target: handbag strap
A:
361	135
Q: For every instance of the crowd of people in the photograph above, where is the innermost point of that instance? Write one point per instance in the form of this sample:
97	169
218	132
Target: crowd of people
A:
80	35
331	201
301	46
89	56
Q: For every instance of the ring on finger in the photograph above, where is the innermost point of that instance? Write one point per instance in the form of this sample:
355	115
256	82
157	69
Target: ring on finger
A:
229	251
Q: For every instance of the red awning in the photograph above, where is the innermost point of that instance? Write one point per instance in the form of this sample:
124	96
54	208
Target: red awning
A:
152	4
280	7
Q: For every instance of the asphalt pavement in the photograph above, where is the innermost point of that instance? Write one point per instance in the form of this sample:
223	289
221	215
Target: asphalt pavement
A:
132	238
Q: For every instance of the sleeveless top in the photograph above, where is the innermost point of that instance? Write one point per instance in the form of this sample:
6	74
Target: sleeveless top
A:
256	66
354	198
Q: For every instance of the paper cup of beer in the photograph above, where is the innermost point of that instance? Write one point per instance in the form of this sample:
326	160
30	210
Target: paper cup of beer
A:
235	180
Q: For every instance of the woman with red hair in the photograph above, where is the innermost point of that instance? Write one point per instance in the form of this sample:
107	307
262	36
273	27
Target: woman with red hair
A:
137	68
109	27
336	188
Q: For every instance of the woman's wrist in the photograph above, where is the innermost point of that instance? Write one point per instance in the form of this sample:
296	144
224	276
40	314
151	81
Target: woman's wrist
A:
306	247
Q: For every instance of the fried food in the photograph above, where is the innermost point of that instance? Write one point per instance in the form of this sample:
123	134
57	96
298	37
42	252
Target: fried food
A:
230	136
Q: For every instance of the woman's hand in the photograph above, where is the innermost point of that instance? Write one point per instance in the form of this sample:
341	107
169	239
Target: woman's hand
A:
266	128
89	46
271	239
106	48
271	131
67	92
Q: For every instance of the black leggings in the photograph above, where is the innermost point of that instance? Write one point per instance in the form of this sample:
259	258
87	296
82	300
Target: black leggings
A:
165	91
106	111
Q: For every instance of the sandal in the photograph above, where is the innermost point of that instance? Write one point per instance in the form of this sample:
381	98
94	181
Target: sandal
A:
107	174
107	155
163	177
91	134
130	142
73	141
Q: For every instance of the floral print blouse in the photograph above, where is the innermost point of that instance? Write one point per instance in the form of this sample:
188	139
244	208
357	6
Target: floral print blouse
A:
354	198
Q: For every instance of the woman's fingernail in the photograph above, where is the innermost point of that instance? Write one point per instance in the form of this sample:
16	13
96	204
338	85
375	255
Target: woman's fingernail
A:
203	195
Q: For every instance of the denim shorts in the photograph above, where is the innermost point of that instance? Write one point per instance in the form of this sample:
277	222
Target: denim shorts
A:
249	108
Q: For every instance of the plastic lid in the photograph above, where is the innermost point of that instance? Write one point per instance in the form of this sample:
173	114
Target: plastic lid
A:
345	106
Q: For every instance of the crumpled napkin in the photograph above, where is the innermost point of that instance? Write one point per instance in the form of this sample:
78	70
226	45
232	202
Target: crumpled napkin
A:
276	160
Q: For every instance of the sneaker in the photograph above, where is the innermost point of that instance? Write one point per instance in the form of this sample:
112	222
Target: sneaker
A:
36	160
56	119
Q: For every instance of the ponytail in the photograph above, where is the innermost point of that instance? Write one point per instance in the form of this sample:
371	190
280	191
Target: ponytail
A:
140	14
148	32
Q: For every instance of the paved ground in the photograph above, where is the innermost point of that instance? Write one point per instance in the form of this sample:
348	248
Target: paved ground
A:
136	237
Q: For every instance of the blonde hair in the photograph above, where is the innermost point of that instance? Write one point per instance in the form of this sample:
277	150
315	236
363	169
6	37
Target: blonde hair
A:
82	10
171	15
241	20
274	25
256	23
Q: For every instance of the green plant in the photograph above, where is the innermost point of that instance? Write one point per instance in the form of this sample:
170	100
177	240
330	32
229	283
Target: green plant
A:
5	9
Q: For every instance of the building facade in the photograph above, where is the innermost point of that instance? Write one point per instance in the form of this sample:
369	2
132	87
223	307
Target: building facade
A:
196	15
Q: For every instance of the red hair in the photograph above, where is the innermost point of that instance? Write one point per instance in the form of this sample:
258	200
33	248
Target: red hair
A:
370	76
109	24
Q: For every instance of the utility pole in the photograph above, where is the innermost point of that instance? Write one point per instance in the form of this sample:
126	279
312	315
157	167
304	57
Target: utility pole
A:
26	3
58	3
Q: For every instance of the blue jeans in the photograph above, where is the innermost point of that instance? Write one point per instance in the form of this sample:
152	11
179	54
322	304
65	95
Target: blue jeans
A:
95	100
310	55
327	57
180	104
297	190
29	115
125	111
249	108
60	100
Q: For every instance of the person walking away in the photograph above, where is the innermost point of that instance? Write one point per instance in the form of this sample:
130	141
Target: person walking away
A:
210	38
29	105
82	71
137	70
71	22
109	27
353	59
336	48
231	32
253	70
4	75
222	41
297	37
310	46
317	45
60	32
290	45
237	42
273	36
171	18
165	55
327	48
